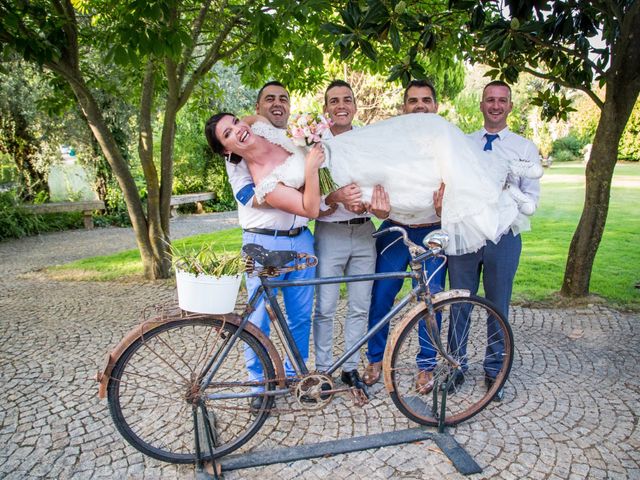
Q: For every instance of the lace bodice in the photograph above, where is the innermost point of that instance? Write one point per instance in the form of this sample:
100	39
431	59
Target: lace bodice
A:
291	172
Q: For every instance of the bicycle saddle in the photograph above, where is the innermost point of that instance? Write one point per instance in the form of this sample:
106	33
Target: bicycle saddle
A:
269	258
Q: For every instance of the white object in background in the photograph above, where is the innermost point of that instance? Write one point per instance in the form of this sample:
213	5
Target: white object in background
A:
70	181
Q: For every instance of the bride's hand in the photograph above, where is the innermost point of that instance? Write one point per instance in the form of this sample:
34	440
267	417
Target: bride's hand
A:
315	157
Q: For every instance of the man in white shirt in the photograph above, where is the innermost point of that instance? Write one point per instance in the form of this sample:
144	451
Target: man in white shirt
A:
419	97
497	262
344	246
274	230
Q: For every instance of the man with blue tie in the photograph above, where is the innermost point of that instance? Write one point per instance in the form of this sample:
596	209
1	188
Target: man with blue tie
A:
497	262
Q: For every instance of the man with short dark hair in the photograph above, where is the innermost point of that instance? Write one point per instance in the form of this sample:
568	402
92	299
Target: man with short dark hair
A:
344	246
420	97
393	256
275	230
497	262
273	104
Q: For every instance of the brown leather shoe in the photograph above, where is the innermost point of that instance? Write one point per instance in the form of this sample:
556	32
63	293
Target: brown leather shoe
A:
372	373
424	382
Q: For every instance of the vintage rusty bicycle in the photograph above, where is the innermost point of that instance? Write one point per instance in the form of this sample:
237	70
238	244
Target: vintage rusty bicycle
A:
177	385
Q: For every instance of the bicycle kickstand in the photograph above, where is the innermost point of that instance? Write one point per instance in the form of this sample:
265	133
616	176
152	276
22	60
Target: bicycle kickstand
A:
210	469
444	388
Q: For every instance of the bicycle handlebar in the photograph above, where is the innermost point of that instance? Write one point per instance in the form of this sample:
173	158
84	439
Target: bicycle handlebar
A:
414	249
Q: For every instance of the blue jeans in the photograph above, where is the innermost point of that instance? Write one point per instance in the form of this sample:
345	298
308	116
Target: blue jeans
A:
498	264
396	259
298	301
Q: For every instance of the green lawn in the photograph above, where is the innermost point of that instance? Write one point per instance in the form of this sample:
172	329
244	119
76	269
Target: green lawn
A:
616	268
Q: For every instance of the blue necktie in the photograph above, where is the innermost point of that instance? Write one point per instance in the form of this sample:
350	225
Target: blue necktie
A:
490	138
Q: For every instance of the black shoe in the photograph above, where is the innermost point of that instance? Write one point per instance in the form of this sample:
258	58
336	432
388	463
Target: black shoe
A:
352	378
458	379
489	381
255	404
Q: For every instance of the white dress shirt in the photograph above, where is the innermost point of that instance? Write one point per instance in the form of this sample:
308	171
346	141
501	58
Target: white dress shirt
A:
251	217
341	213
513	146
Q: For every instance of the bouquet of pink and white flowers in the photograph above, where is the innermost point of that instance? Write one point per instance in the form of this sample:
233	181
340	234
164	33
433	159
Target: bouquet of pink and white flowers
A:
306	129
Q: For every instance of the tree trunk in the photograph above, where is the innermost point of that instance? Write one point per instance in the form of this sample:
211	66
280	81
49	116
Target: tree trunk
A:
588	234
152	265
167	141
622	88
158	237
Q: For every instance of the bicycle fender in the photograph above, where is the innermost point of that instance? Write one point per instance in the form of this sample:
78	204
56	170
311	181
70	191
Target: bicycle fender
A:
104	373
393	337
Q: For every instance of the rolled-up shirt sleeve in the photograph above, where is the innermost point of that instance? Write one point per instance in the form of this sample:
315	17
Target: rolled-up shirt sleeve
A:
241	182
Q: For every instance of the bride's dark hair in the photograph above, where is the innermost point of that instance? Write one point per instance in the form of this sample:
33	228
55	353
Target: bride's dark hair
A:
214	142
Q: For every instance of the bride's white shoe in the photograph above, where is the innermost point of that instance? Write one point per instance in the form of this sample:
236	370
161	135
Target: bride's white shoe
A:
526	168
525	204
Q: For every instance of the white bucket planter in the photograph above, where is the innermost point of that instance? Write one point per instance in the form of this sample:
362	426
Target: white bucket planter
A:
207	294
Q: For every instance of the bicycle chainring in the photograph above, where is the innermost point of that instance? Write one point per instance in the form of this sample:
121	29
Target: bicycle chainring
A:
314	391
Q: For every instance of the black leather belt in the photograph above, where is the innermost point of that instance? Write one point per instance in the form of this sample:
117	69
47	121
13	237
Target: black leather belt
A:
416	225
353	221
277	233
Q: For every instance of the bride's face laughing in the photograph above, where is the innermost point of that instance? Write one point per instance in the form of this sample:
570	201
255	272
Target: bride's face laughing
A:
234	135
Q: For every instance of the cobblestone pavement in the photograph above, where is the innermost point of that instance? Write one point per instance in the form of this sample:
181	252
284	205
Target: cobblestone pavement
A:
570	410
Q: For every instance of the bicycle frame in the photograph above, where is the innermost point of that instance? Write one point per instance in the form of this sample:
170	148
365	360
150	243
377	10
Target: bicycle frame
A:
267	291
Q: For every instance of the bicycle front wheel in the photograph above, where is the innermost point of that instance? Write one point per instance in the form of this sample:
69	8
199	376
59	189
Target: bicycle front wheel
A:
478	343
155	395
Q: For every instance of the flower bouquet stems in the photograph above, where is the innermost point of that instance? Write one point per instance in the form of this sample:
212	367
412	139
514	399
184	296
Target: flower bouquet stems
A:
327	185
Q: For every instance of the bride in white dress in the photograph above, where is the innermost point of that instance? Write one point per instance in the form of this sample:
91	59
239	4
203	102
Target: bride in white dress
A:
409	155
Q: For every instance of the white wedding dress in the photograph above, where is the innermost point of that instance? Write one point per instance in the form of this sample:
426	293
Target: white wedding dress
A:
410	155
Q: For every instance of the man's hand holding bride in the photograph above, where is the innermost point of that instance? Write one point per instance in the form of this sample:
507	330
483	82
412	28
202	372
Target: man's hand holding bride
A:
350	196
438	195
379	206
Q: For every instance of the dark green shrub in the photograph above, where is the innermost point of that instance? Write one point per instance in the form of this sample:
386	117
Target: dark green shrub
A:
16	222
116	212
569	143
565	156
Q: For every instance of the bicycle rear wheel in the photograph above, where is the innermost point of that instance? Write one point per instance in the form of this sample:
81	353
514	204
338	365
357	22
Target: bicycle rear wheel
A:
155	397
479	341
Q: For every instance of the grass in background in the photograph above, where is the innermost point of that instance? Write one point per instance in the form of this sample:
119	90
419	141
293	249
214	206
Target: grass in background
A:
127	265
616	268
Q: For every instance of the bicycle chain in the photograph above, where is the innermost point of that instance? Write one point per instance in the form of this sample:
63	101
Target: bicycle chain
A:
358	396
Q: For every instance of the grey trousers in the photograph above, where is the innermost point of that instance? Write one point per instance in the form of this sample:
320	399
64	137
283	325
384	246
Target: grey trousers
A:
342	250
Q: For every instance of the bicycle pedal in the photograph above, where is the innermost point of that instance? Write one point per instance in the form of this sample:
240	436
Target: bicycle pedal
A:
360	398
